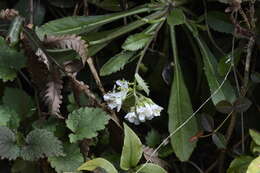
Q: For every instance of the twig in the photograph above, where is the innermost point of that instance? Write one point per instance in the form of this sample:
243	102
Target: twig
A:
95	75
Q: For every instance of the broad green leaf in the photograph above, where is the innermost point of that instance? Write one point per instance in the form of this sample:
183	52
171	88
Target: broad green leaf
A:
9	117
8	147
9	57
151	168
239	164
91	165
49	124
19	101
137	41
70	162
179	110
219	140
116	63
41	143
225	91
153	138
255	136
83	24
176	17
132	149
85	122
254	166
141	83
219	21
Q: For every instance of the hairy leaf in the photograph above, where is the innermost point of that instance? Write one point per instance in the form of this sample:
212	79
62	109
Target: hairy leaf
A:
180	109
52	95
136	41
70	162
132	149
10	61
19	101
9	117
91	165
68	41
85	122
8	147
141	83
239	164
116	63
41	143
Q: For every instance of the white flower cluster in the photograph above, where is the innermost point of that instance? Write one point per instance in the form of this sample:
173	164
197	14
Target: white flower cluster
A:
115	98
145	109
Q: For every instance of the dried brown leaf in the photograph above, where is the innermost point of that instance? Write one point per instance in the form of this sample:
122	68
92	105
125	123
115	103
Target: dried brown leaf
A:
148	155
52	95
68	41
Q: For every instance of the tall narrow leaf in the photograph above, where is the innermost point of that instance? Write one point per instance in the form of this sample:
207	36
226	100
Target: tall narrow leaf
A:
180	109
226	92
132	149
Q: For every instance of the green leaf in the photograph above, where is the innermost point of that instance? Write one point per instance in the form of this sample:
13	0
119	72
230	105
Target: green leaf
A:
141	83
254	166
132	149
9	117
225	92
85	122
239	164
179	110
224	107
10	61
91	165
151	168
136	42
219	140
255	136
116	63
8	147
41	143
70	162
153	138
220	22
7	74
83	24
176	17
19	101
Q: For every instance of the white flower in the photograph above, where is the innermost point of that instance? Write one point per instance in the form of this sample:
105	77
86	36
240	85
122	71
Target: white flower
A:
115	98
145	110
132	118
